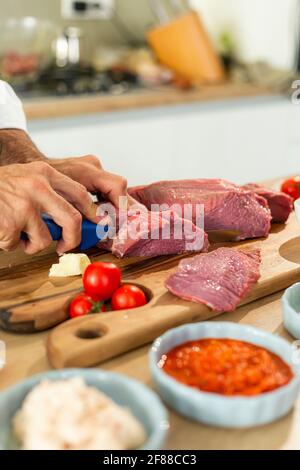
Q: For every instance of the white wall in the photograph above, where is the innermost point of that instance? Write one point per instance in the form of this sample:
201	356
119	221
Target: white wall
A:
240	140
262	29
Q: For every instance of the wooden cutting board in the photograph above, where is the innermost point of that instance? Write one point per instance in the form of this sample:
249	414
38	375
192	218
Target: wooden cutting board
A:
30	301
88	341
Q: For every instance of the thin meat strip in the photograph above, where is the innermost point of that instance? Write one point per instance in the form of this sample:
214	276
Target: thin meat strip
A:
220	279
149	234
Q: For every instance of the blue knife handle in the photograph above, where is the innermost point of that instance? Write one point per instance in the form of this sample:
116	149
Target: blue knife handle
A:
89	238
54	229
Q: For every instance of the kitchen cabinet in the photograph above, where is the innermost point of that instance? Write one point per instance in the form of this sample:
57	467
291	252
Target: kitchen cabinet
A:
239	139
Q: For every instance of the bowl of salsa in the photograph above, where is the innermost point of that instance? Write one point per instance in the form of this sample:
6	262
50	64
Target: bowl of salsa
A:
225	374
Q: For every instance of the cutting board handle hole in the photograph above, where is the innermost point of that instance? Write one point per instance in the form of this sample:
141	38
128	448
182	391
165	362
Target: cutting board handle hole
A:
90	333
290	250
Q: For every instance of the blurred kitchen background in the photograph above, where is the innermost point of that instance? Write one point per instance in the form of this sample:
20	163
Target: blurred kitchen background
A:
159	89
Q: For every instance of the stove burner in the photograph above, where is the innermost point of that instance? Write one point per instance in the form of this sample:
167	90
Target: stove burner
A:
82	80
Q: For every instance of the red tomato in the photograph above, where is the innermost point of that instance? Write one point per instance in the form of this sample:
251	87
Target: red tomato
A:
128	296
100	280
81	305
292	187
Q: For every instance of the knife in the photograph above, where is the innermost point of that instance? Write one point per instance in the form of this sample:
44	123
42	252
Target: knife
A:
160	11
223	235
91	233
165	13
178	6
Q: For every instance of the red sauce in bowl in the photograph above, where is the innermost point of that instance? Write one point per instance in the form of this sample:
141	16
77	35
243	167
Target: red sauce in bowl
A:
226	366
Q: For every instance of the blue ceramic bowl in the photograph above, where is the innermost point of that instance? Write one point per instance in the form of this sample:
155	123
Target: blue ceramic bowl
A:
291	310
144	404
215	409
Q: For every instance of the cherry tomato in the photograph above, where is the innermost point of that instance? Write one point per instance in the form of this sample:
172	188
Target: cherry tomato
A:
104	308
292	187
81	305
100	280
128	296
100	307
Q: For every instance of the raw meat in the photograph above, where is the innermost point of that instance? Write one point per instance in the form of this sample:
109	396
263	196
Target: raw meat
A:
226	206
280	204
150	234
220	279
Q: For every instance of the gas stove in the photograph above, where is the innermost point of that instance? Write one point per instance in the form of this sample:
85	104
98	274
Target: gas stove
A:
78	81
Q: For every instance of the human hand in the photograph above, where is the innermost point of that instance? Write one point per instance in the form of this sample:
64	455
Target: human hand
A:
27	191
89	172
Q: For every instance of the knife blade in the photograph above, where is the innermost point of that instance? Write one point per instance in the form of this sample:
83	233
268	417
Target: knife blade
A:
160	11
178	6
218	236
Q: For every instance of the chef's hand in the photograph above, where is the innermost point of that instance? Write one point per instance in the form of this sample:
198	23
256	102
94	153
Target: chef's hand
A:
88	171
28	190
17	147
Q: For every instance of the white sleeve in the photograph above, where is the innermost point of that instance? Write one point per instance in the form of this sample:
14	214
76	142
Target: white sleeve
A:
11	110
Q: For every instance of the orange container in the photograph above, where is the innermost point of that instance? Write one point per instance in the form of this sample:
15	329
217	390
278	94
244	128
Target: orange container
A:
184	46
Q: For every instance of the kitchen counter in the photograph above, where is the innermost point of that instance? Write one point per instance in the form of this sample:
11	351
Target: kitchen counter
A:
26	356
58	107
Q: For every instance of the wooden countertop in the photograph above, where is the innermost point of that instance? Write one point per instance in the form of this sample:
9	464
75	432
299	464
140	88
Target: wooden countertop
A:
26	356
57	107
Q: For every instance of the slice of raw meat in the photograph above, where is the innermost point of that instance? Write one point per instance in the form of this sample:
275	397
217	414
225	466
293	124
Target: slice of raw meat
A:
226	206
280	204
220	279
144	233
